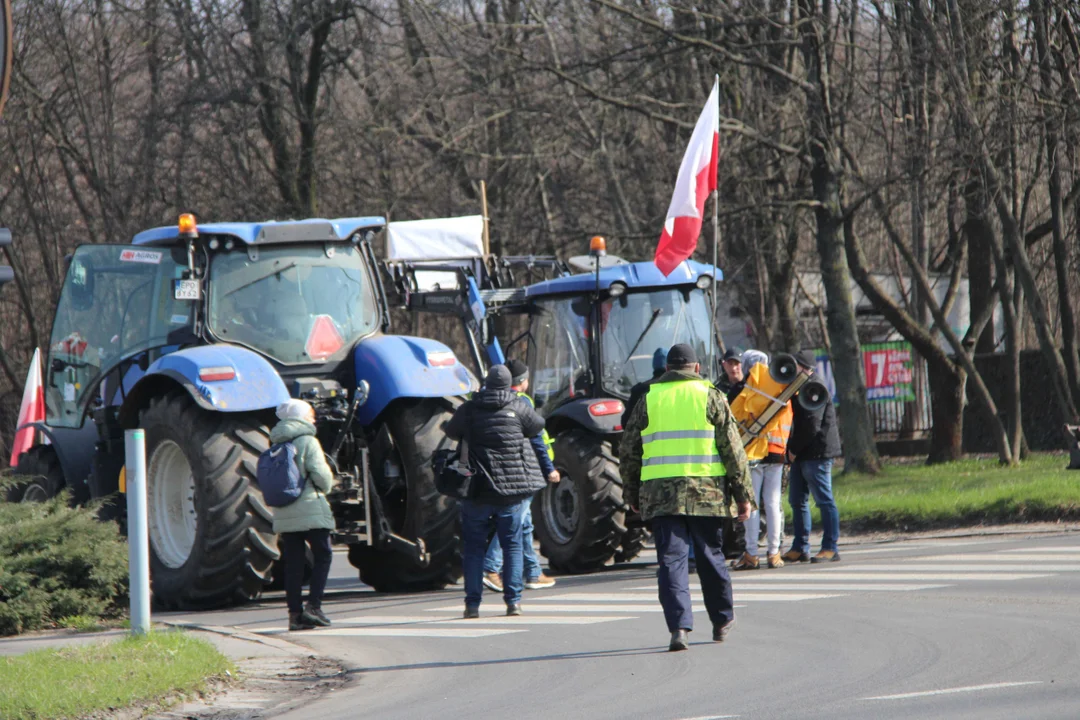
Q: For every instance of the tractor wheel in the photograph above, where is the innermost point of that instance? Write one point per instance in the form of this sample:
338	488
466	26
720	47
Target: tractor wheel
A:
404	477
41	467
633	541
580	520
211	534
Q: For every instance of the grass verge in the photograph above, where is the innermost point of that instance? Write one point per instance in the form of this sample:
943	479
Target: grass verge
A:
965	493
77	681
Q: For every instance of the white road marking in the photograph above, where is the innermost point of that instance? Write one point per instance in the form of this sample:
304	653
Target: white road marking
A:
1054	549
1001	558
500	619
950	691
651	597
576	608
829	575
739	586
958	567
711	717
474	632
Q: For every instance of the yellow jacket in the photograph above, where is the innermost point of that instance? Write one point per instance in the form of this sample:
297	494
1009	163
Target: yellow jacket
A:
750	404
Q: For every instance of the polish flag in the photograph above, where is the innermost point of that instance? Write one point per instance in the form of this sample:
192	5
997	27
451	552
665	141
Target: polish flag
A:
32	410
697	178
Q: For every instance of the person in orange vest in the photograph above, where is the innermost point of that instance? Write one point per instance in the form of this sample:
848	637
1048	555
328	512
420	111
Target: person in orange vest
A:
767	454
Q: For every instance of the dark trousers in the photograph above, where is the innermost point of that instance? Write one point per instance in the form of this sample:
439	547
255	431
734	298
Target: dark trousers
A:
294	555
674	536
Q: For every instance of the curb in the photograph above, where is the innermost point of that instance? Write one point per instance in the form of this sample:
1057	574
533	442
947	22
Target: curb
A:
276	643
867	538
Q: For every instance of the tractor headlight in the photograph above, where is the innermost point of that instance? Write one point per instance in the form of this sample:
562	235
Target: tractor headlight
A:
214	243
616	289
704	282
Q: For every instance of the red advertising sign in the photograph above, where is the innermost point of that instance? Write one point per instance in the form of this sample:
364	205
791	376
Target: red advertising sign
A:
888	371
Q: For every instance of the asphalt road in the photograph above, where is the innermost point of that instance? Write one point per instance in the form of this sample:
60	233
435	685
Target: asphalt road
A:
962	628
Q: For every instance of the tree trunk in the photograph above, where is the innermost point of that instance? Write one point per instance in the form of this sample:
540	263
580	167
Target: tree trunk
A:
947	387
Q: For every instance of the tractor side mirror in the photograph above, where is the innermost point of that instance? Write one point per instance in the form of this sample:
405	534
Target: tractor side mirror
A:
81	283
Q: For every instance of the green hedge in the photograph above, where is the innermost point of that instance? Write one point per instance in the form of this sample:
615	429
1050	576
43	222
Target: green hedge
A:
57	561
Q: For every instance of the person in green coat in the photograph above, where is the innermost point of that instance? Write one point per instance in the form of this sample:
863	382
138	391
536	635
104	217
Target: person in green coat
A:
306	521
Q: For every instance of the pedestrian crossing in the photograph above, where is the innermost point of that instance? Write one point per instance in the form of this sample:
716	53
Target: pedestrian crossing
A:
576	602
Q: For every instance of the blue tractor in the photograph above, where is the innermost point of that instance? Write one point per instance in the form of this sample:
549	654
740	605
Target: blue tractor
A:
197	334
588	332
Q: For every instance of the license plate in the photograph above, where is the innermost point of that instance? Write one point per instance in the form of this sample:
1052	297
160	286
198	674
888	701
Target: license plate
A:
186	290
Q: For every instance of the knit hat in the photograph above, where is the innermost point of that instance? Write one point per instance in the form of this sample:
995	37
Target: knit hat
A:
519	372
294	410
681	355
659	359
750	358
498	378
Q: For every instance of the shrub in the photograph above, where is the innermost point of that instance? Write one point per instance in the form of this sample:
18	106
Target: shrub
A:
57	561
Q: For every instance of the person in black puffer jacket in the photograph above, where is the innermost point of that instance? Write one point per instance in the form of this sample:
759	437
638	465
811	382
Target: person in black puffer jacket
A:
497	425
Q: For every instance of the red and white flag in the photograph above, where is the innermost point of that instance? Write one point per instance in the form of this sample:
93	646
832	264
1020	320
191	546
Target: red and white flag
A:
697	178
32	410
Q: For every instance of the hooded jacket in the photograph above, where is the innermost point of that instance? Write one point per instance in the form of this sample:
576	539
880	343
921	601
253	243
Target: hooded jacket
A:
310	511
497	425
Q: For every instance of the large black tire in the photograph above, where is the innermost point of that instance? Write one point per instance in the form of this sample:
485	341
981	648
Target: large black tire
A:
413	506
232	545
45	478
580	521
633	542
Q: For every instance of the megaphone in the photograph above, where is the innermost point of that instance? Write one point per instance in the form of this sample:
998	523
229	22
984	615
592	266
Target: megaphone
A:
783	368
813	396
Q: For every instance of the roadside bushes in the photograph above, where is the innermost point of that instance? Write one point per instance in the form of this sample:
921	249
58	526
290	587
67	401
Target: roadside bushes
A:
57	561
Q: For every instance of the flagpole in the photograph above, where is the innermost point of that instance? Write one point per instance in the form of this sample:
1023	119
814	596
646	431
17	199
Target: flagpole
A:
715	242
715	261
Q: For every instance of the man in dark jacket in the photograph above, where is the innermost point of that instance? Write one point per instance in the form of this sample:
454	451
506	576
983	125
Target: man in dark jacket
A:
733	380
684	467
659	367
814	444
497	425
543	448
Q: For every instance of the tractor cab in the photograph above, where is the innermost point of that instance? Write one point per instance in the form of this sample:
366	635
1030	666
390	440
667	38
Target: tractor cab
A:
586	342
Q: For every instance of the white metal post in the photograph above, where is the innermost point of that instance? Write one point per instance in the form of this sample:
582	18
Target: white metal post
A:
138	537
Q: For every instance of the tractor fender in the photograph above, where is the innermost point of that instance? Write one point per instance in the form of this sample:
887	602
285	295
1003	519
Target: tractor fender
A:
575	413
74	448
254	384
396	366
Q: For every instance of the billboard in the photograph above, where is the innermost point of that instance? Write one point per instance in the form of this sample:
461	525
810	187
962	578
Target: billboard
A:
888	368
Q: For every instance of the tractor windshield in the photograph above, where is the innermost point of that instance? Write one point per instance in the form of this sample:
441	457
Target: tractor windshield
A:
559	350
636	325
295	304
118	301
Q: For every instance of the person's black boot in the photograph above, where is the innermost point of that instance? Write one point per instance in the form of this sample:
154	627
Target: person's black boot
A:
316	615
300	621
680	640
720	632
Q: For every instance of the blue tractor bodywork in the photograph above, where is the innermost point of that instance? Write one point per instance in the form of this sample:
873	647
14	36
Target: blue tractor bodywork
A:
198	335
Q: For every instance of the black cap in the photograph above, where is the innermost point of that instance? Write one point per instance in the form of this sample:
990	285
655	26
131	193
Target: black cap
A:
806	359
681	355
733	353
498	378
519	371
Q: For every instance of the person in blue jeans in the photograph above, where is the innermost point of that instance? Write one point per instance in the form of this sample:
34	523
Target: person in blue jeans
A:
812	448
535	578
497	425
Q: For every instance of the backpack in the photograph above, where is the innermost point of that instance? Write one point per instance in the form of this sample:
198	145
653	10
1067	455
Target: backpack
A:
278	475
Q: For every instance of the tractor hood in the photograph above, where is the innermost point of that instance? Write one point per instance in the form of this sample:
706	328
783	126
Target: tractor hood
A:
265	233
635	276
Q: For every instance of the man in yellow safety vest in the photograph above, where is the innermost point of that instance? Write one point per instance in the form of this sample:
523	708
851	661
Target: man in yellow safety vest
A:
684	467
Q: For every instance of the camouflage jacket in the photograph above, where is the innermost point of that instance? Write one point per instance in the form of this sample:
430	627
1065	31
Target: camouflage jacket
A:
715	497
